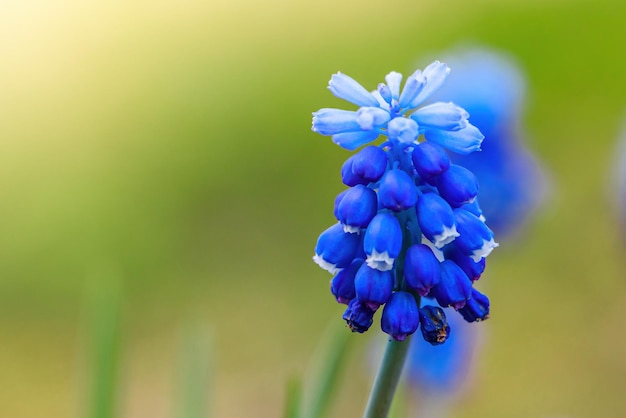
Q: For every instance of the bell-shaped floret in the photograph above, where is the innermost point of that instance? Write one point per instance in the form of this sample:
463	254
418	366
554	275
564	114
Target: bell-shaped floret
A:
335	248
454	287
436	219
463	142
412	88
434	324
457	185
347	88
446	116
477	308
354	140
470	267
357	208
435	75
382	242
421	269
400	316
335	121
474	208
430	160
397	191
373	287
394	80
476	238
358	316
364	167
342	285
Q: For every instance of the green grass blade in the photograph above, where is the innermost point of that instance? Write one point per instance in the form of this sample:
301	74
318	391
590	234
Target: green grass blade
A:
104	344
329	362
196	372
294	398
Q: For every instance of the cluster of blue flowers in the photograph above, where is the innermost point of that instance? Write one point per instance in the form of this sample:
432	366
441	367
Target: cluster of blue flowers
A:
409	225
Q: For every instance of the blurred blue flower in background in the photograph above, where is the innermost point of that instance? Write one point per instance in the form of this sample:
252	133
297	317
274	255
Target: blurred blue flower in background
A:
491	87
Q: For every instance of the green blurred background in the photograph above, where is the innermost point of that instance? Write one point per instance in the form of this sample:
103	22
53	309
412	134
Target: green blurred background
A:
166	145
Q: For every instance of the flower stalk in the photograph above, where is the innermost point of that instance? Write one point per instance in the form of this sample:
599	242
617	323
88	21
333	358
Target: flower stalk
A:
387	379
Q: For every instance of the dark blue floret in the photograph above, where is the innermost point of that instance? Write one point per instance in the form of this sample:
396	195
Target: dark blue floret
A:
430	160
358	316
383	241
436	219
357	207
364	167
476	238
473	269
454	288
342	285
434	324
477	308
400	316
457	185
335	248
474	208
397	191
421	269
373	287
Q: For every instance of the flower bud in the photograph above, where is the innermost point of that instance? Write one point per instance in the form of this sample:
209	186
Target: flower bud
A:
342	285
400	316
364	167
335	249
434	324
421	269
357	207
454	287
476	238
457	185
382	242
471	268
397	191
477	308
358	316
373	287
436	219
429	160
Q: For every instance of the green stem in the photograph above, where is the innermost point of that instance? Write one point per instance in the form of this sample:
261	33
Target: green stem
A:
387	379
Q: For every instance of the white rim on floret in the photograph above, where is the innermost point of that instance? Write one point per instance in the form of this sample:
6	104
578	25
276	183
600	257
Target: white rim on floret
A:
485	250
351	229
380	261
446	237
331	268
438	253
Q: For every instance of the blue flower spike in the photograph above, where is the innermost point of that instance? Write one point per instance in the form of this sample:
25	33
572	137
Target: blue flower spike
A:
409	224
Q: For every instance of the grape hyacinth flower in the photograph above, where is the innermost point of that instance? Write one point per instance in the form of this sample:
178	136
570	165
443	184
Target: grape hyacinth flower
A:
405	207
409	225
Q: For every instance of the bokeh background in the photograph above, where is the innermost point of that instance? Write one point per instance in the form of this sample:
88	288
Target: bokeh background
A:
166	146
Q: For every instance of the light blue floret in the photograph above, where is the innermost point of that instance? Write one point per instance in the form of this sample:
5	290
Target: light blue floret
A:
348	89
